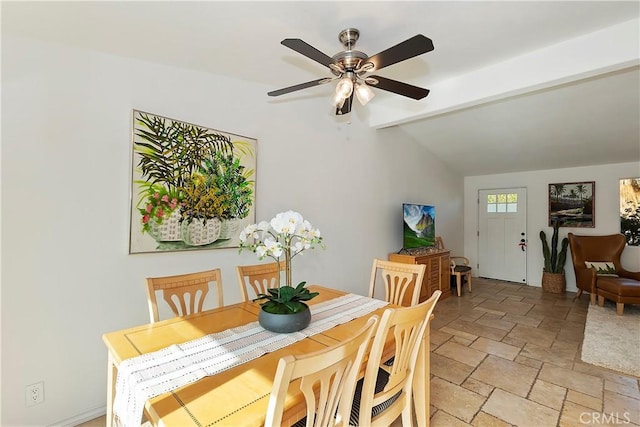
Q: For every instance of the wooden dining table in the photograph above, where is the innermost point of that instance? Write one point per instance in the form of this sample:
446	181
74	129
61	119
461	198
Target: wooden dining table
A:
237	396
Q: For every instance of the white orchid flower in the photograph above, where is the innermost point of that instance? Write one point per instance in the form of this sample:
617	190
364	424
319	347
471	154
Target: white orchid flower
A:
286	222
298	247
287	233
248	231
261	251
273	247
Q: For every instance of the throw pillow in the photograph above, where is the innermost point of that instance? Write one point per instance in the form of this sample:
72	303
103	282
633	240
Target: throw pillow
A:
605	268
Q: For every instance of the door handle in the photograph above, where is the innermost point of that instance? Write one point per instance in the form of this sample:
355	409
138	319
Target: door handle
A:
522	244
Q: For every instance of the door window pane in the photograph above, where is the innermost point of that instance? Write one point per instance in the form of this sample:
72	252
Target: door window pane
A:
502	203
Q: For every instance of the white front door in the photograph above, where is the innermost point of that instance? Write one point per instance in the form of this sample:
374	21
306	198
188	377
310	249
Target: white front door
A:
502	234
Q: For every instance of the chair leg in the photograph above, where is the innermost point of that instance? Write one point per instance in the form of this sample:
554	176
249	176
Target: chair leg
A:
593	298
600	300
619	308
459	282
469	281
577	295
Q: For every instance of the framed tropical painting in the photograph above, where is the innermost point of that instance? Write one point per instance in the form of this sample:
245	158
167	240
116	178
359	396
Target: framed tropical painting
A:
630	210
191	187
572	204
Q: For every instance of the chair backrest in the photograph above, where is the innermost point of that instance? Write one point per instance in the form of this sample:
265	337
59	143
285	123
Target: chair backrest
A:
398	278
185	293
596	248
259	278
327	380
406	326
454	260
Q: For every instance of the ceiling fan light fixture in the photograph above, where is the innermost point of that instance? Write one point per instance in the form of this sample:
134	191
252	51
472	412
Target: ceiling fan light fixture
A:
344	88
338	100
364	93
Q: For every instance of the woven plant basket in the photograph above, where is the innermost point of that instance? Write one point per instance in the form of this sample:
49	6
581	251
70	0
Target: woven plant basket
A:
554	282
168	230
197	233
229	228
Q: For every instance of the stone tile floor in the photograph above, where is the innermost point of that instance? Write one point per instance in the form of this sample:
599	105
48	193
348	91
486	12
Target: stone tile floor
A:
509	355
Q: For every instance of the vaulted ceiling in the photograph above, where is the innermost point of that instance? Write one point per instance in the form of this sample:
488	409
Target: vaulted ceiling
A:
514	85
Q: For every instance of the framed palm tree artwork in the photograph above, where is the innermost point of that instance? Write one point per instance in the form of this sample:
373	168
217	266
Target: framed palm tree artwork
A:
572	204
192	187
630	210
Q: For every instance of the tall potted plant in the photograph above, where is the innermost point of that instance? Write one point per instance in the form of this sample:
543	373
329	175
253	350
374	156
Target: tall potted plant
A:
553	279
288	234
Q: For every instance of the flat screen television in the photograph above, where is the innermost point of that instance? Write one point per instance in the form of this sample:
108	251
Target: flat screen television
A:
419	228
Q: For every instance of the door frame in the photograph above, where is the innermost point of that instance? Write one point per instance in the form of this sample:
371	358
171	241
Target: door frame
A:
525	228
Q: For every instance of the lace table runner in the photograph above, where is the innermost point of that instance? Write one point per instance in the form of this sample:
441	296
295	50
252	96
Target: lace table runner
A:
143	377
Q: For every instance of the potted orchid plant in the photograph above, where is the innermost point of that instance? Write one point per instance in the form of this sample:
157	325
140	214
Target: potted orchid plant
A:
287	235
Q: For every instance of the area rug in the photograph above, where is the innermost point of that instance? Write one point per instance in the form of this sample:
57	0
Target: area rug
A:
613	341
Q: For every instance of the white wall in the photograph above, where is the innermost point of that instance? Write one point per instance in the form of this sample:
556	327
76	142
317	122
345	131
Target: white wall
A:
607	211
67	277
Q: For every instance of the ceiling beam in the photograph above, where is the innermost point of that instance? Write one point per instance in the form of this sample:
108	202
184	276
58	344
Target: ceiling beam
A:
610	49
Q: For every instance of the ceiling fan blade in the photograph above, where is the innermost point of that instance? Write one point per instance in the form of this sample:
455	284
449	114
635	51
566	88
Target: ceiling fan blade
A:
400	88
416	45
308	51
346	107
299	86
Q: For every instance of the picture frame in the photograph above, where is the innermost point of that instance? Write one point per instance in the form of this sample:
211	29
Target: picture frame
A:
630	210
572	204
192	187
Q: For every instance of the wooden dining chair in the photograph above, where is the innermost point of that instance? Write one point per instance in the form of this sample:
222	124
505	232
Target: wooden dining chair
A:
386	390
398	278
259	278
185	293
327	379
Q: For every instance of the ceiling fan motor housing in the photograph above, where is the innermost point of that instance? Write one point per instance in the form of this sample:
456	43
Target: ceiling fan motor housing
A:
349	59
349	37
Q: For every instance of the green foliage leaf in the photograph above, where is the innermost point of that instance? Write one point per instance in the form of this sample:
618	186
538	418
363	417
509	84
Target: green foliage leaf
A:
286	299
553	260
172	151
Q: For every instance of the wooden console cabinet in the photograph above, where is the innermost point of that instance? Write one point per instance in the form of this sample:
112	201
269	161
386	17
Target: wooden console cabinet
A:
436	275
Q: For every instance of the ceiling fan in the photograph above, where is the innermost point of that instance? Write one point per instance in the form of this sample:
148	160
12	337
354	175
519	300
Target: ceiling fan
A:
350	67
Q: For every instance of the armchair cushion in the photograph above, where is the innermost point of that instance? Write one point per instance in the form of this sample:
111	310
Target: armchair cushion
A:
606	268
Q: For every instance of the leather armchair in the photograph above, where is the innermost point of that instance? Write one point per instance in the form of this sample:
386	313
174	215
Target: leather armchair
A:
622	289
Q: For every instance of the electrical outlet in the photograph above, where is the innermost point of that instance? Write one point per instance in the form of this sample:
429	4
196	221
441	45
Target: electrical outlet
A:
34	394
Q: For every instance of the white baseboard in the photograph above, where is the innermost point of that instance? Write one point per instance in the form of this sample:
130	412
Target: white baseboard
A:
82	418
